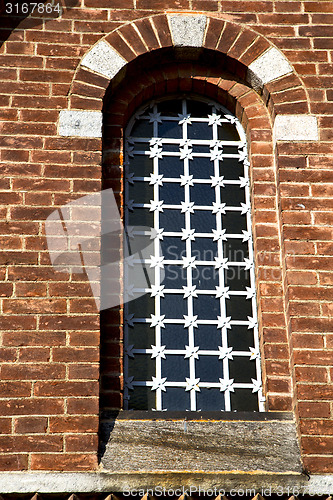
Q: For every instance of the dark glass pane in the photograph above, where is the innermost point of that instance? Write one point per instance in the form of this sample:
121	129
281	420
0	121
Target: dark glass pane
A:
201	168
210	399
208	368
238	307
174	336
142	336
141	165
242	370
240	338
202	194
203	221
140	192
207	337
142	367
230	150
176	398
175	368
237	278
170	129
205	277
171	193
171	148
141	146
138	276
142	307
228	132
173	248
170	107
201	131
234	222
235	250
175	277
233	196
171	166
142	128
140	217
173	306
206	307
138	244
204	248
244	400
172	220
200	148
198	109
142	398
231	168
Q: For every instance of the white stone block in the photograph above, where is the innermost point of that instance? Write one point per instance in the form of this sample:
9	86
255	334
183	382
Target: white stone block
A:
296	128
268	67
80	123
103	59
188	31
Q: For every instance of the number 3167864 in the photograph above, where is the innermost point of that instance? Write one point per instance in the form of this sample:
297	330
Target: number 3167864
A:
32	7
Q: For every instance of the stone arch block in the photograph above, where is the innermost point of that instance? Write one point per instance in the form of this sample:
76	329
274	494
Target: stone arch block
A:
265	68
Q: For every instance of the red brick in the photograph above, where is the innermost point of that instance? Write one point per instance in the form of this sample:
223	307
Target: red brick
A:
313	357
63	462
280	403
18	323
83	406
315	392
34	406
33	371
310	293
145	28
5	425
318	464
228	37
75	354
311	374
245	39
14	389
34	339
85	443
205	5
34	306
32	354
59	388
14	462
213	33
317	427
87	372
313	445
16	61
30	425
62	322
80	424
278	385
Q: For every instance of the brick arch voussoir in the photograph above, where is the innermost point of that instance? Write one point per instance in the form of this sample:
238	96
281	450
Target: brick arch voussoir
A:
241	45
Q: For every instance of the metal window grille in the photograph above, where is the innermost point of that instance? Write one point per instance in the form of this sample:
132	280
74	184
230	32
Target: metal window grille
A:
191	341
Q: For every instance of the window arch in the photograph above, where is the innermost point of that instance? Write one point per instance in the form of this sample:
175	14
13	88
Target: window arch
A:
190	332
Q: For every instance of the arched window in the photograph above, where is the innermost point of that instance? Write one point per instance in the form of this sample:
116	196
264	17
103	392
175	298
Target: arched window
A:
190	331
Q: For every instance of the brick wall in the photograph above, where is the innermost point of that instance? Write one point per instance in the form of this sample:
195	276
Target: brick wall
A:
49	323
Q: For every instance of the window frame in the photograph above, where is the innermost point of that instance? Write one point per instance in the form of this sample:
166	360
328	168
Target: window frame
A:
255	355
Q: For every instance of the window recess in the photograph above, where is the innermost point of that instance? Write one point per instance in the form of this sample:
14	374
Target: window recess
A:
191	334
